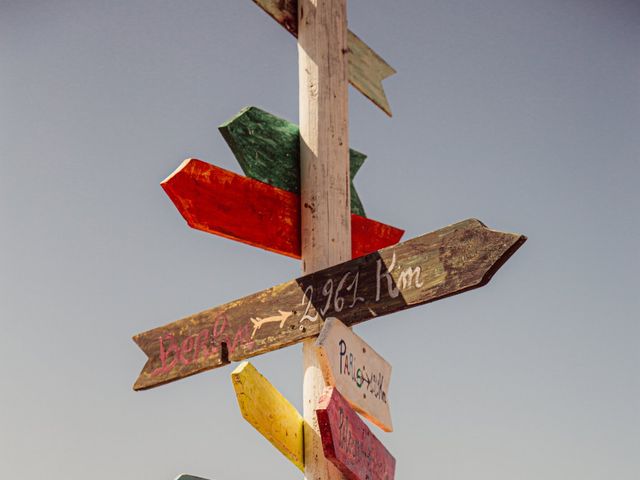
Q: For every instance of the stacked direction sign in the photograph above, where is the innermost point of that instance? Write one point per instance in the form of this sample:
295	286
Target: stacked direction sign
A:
224	203
356	370
439	264
359	271
268	149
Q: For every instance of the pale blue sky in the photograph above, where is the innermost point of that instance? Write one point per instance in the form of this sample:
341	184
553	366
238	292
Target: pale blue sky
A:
522	113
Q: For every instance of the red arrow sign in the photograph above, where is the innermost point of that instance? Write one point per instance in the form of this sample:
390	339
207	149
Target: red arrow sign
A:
218	201
349	443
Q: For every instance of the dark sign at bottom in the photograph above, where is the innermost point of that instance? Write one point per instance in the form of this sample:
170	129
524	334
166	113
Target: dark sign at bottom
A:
349	444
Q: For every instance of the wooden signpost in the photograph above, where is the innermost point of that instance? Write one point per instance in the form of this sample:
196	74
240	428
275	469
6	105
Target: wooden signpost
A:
324	172
298	200
366	68
357	371
221	202
349	443
269	412
268	149
436	265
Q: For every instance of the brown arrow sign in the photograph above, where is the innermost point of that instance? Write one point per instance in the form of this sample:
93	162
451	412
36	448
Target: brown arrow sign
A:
439	264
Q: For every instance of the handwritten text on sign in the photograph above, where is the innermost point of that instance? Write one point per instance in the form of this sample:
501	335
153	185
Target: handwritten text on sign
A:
356	370
436	265
349	444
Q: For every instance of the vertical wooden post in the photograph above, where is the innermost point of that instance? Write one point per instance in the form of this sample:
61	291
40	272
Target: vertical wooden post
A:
324	173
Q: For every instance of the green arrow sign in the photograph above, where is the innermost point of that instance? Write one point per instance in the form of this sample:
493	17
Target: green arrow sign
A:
268	149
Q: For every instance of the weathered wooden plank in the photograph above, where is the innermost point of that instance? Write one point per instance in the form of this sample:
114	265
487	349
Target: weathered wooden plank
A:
436	265
271	414
221	202
360	374
268	149
349	443
367	69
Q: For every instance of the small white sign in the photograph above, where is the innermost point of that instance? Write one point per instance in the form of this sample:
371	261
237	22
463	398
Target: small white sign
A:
356	370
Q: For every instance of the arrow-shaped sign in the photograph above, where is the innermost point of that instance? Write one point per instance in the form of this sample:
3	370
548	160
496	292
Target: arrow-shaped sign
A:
221	202
349	443
264	407
353	367
436	265
366	68
268	149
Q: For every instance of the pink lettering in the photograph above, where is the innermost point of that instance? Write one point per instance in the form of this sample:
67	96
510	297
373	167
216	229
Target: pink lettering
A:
201	344
217	332
164	354
187	346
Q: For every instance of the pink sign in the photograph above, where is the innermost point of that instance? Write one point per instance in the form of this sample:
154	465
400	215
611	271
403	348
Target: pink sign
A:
349	444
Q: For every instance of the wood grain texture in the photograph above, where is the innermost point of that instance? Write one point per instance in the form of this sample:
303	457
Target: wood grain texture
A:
367	69
349	443
224	203
268	149
436	265
360	374
324	133
271	414
324	173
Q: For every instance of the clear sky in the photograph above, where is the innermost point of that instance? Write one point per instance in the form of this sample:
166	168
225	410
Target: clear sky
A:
522	113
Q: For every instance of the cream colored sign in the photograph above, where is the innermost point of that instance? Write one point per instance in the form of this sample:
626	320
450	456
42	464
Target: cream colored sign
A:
356	370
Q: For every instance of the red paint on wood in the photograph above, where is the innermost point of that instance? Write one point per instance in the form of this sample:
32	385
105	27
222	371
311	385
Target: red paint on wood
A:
349	443
218	201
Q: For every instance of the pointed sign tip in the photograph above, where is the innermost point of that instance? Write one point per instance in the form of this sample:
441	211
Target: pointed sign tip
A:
240	369
516	241
182	167
269	412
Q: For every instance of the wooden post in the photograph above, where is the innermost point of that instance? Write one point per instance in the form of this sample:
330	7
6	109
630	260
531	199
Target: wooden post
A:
324	173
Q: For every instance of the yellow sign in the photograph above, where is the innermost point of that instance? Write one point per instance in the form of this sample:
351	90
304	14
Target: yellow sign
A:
269	412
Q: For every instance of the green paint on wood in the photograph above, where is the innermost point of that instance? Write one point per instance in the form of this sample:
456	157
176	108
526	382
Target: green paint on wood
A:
268	149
